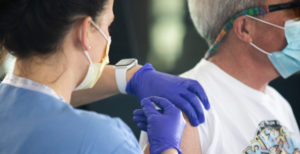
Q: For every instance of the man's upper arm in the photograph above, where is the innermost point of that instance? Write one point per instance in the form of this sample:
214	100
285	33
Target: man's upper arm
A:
190	142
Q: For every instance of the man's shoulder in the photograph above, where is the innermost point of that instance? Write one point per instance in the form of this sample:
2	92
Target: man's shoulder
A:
272	91
275	95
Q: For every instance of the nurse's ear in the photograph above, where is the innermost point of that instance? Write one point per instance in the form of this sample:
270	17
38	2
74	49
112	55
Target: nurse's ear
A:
84	33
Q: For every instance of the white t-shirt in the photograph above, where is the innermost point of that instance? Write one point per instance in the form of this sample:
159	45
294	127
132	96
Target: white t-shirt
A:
242	119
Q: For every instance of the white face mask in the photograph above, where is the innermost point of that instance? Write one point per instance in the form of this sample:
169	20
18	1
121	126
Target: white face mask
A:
95	70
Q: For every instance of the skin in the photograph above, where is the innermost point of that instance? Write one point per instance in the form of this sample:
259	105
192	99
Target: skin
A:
63	70
170	151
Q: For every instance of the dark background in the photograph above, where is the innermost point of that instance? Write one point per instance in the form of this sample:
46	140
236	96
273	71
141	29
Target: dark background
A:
130	33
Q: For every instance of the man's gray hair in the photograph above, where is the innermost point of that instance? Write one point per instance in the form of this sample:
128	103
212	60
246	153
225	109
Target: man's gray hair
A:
209	16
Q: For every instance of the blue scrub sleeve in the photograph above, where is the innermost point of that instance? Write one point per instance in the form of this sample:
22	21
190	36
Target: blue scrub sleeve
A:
126	148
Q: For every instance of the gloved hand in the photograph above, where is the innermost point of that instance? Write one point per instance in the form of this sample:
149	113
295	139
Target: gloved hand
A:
164	127
184	93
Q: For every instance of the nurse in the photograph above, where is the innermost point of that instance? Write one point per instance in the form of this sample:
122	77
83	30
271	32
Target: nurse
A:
62	46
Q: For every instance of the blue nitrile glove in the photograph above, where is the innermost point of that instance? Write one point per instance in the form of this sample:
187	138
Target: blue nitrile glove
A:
164	127
183	93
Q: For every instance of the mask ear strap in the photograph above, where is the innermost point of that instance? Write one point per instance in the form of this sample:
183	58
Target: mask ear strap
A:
260	49
85	51
268	23
88	56
100	30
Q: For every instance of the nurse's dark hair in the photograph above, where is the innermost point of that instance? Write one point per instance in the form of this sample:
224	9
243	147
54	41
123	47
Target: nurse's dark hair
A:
37	27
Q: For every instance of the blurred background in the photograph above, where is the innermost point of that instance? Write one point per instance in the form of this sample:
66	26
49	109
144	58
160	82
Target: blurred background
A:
162	33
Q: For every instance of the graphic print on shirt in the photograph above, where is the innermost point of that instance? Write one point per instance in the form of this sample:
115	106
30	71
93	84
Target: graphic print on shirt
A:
272	138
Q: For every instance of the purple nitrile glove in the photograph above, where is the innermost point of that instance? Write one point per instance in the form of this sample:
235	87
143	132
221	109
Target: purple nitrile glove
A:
186	94
164	127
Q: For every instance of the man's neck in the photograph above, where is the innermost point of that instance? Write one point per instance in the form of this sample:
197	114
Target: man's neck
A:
239	65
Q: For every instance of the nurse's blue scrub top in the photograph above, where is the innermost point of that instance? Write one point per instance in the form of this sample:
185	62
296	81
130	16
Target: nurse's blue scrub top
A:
34	120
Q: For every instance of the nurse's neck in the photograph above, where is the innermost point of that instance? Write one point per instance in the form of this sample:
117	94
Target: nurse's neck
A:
49	71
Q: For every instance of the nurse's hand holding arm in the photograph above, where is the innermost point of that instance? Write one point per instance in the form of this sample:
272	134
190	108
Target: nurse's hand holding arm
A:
186	94
164	127
144	82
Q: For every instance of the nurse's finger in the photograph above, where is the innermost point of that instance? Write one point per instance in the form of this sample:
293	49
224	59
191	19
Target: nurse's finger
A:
142	126
197	89
139	112
195	103
164	104
138	119
188	109
148	107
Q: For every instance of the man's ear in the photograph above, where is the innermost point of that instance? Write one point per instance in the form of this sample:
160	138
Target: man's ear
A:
242	29
83	33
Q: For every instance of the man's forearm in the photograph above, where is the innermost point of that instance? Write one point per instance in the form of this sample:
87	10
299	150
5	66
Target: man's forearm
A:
105	87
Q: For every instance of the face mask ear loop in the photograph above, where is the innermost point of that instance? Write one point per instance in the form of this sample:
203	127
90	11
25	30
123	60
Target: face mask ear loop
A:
265	22
85	51
88	57
259	49
100	30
